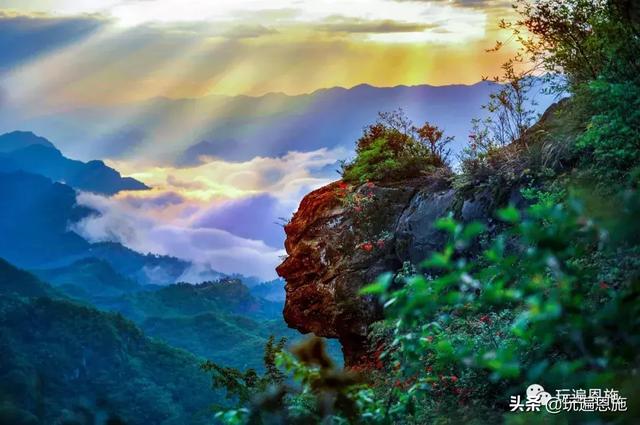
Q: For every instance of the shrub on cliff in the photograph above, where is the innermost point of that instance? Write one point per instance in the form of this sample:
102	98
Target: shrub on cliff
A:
394	149
593	46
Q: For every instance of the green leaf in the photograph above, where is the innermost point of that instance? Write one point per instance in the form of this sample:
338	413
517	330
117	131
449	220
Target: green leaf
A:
537	370
447	224
509	214
379	287
444	348
439	260
472	230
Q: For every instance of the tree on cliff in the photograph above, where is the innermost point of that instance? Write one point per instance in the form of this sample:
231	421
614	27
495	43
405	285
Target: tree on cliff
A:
393	148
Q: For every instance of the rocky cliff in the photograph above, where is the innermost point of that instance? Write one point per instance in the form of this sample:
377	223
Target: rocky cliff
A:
342	237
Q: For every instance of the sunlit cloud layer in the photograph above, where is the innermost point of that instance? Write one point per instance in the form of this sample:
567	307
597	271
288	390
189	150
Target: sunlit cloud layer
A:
281	13
221	215
192	48
216	179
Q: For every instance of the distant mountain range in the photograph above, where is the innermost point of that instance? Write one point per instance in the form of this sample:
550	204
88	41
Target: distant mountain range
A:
38	205
35	215
196	317
24	151
89	279
184	131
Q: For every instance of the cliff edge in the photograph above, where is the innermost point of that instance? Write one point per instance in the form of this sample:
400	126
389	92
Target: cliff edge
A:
342	237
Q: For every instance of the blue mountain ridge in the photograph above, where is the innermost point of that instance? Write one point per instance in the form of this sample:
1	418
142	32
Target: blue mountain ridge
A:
25	151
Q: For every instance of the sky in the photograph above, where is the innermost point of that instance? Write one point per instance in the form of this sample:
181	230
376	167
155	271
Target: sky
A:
192	48
80	58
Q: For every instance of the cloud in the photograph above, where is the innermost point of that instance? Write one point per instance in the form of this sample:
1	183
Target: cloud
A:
208	248
185	184
249	31
219	215
26	37
215	179
255	217
343	24
162	199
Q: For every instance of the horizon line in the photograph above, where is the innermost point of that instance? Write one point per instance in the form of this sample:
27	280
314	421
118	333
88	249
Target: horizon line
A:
322	89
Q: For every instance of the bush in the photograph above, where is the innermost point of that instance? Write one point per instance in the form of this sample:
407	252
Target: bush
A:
394	149
593	45
611	140
551	309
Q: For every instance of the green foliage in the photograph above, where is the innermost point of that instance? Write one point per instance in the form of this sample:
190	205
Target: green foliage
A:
612	136
65	363
375	162
393	149
594	46
550	299
14	281
221	320
316	390
535	307
584	48
244	386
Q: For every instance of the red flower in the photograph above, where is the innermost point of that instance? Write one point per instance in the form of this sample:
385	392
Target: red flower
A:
485	319
370	184
604	285
367	246
454	378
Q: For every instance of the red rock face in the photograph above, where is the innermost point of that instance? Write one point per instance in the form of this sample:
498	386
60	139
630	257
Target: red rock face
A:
336	246
330	260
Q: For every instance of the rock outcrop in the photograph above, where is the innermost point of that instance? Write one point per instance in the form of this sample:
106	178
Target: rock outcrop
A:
336	246
342	238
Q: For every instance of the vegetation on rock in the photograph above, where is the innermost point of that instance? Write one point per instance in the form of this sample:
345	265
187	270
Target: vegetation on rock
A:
394	149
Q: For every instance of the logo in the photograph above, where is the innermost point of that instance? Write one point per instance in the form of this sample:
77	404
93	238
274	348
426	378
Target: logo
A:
591	400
